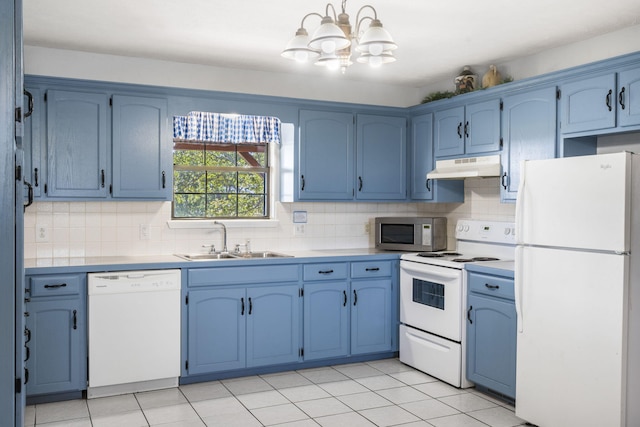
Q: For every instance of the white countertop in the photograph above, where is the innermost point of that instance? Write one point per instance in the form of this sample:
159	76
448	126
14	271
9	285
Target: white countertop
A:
172	259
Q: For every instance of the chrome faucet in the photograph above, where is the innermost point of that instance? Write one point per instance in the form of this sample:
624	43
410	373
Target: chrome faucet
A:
224	237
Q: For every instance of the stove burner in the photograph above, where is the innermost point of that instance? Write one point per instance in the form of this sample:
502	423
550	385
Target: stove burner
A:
430	255
475	259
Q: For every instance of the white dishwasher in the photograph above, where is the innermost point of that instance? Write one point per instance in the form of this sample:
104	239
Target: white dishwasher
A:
134	331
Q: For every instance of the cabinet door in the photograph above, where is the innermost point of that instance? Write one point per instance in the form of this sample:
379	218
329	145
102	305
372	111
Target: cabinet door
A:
371	317
629	97
326	156
588	104
142	162
482	127
273	325
55	360
422	162
491	344
529	132
448	135
32	143
77	144
326	320
216	330
381	158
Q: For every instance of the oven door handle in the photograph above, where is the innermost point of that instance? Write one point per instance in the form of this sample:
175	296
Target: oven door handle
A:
421	272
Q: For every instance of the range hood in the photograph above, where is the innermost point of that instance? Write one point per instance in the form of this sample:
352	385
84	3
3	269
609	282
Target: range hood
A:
468	167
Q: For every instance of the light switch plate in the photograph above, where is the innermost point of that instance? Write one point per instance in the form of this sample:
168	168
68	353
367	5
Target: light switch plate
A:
299	217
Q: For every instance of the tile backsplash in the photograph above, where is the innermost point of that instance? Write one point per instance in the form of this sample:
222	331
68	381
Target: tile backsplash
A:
89	229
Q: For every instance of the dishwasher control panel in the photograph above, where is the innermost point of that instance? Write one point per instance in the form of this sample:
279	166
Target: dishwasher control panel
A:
133	281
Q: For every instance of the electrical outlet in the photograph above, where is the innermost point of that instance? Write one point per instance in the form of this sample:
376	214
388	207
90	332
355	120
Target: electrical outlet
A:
42	233
298	229
367	227
144	231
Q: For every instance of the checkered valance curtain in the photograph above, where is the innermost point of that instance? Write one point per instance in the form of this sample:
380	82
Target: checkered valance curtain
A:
199	126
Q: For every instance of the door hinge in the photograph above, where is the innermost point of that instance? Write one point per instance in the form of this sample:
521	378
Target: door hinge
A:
111	101
110	188
45	97
18	115
18	385
301	292
558	94
501	106
186	300
46	189
186	365
19	173
501	142
301	352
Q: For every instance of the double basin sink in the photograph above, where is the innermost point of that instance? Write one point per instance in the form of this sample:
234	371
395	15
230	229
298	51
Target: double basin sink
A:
231	255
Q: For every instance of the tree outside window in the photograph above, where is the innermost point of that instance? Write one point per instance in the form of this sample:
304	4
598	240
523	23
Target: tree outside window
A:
220	180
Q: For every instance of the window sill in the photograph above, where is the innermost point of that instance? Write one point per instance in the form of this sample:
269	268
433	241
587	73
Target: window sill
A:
229	223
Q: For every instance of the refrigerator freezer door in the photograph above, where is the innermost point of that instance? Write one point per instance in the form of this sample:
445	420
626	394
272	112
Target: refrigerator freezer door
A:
576	202
571	349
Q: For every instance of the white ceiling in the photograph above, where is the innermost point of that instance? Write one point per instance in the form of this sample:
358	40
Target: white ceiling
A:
435	38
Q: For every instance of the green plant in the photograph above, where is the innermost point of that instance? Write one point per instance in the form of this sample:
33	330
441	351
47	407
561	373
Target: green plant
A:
434	96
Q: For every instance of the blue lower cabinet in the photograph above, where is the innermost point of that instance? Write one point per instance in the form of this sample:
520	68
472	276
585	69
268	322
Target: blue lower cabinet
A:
238	327
55	342
491	335
56	331
326	319
273	325
216	330
371	316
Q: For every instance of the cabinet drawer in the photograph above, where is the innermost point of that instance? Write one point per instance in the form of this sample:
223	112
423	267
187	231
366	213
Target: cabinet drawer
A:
325	271
371	269
240	275
487	284
64	284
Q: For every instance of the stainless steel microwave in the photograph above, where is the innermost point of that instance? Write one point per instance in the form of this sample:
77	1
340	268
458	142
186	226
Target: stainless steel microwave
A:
422	234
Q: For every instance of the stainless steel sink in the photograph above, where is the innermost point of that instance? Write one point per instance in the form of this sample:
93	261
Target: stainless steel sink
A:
207	257
263	254
226	255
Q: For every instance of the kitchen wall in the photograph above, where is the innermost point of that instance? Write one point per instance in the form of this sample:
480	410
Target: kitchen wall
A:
93	66
88	229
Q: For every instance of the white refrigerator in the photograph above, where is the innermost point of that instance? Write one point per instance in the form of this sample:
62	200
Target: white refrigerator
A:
577	283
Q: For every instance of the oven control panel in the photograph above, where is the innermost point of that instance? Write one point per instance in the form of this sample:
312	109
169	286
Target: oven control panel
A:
488	231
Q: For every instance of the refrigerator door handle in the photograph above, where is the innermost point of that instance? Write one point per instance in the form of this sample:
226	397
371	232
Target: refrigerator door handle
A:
520	202
518	287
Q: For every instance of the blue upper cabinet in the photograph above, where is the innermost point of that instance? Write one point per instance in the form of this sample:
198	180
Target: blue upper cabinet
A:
337	163
77	144
629	97
605	102
142	163
326	156
471	129
422	162
589	104
381	158
529	132
31	142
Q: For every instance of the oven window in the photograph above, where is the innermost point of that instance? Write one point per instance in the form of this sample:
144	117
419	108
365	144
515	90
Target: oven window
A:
397	233
428	293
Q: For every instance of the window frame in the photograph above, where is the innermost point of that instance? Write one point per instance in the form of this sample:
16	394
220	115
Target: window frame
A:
267	171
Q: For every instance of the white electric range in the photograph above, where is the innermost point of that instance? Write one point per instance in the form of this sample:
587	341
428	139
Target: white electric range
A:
433	293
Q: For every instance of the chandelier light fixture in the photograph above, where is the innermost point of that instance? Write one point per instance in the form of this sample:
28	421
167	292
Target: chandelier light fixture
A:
333	41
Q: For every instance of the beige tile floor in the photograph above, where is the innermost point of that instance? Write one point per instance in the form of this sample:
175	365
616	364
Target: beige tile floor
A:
378	393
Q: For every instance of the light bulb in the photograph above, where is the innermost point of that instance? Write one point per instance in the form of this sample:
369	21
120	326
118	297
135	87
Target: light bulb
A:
328	46
301	56
375	61
375	49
